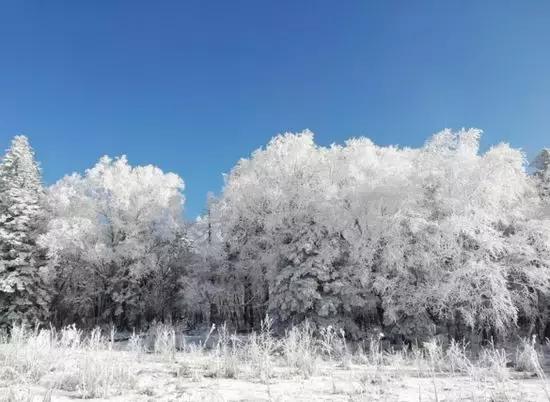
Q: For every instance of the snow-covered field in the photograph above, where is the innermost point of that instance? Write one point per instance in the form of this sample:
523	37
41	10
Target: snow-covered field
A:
66	365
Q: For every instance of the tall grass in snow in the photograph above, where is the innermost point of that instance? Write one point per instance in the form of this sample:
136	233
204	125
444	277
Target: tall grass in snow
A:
88	366
227	358
301	350
261	348
64	359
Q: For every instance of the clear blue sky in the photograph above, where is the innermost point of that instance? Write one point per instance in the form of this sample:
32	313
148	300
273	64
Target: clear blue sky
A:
192	86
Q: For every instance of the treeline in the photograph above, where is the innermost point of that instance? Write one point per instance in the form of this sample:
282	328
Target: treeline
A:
440	239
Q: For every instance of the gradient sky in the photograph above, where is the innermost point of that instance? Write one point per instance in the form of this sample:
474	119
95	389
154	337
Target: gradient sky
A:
192	86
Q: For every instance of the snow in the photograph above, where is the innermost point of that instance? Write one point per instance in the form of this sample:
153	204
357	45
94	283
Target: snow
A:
167	381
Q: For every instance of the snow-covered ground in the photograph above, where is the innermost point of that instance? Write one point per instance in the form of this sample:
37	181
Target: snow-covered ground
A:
63	366
189	378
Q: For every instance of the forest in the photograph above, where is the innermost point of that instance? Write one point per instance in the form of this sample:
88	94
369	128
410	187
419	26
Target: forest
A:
443	239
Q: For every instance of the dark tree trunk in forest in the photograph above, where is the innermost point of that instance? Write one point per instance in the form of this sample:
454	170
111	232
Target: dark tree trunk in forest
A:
214	313
248	307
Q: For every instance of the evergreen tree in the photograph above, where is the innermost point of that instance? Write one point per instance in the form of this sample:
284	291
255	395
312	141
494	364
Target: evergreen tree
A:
22	291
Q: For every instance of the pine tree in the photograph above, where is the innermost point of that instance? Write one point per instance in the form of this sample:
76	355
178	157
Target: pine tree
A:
22	291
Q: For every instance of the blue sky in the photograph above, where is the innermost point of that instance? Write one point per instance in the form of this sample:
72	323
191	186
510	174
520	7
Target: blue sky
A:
192	86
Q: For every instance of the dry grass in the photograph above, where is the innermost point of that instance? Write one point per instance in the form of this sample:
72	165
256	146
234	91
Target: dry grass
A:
301	351
64	360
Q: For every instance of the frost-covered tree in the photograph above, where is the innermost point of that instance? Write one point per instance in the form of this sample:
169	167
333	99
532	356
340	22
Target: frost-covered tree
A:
118	244
438	239
534	251
210	291
473	198
22	291
441	238
443	255
541	164
278	223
